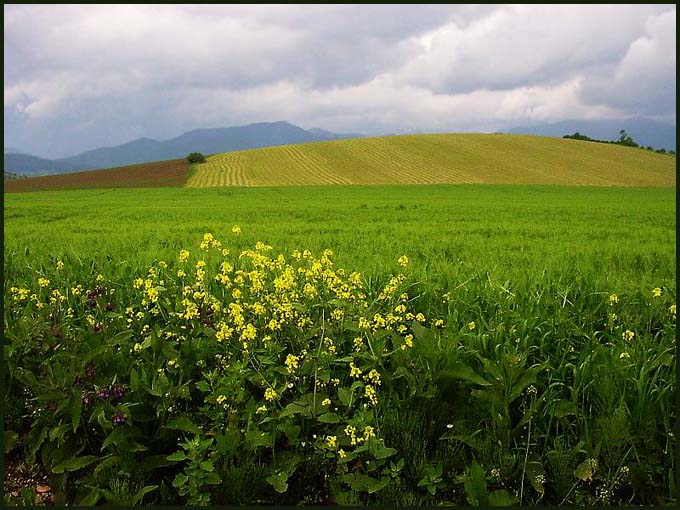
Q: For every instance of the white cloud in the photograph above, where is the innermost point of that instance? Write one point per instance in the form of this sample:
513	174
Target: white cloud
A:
77	77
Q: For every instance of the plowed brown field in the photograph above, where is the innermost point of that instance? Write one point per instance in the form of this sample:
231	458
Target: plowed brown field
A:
145	175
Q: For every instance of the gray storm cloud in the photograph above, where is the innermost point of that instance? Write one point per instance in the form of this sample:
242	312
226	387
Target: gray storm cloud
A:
78	77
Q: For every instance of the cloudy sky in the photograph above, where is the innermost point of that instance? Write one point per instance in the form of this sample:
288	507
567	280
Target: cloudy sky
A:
81	77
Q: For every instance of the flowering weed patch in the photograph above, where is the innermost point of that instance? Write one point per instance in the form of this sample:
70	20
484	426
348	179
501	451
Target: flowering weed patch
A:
227	372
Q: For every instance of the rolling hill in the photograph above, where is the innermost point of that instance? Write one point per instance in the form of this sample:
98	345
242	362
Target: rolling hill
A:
440	158
405	159
145	150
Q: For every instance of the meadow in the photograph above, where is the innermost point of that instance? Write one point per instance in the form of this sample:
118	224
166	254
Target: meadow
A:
458	344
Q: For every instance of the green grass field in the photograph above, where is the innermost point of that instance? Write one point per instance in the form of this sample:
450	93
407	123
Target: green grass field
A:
438	158
549	380
614	238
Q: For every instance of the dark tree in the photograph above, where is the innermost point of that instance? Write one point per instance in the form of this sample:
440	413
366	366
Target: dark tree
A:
196	157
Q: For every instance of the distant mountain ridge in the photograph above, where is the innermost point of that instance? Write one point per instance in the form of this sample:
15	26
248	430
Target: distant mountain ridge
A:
145	150
645	132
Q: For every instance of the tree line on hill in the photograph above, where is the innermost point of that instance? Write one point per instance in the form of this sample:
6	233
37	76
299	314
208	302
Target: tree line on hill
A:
624	139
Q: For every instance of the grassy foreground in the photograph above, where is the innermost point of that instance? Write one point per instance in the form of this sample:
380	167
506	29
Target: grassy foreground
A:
525	356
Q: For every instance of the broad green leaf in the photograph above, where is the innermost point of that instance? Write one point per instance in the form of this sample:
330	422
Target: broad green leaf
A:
75	464
475	486
177	456
465	373
586	469
183	423
535	472
345	396
203	386
279	481
180	480
329	418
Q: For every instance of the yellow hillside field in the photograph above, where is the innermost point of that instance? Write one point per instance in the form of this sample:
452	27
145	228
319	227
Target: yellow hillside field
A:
439	158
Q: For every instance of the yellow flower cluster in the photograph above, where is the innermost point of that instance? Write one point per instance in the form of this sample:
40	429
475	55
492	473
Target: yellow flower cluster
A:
292	363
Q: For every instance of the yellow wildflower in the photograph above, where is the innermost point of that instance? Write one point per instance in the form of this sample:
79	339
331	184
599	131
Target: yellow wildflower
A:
370	394
628	334
403	261
331	441
374	377
326	402
672	309
341	453
613	299
292	362
236	229
624	354
43	282
270	395
60	265
472	325
657	292
183	255
353	370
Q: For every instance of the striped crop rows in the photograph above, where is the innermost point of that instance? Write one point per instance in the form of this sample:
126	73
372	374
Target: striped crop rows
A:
438	159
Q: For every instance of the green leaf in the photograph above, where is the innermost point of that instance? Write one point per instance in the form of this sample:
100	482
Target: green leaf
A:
36	437
180	480
329	418
535	472
475	486
203	386
156	461
463	372
206	465
257	438
183	423
586	469
58	432
212	479
177	456
143	492
76	408
364	483
502	497
74	464
279	481
345	396
106	462
91	499
113	438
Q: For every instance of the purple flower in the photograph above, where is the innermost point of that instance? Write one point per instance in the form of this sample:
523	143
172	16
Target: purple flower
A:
88	398
118	391
78	381
89	372
103	392
118	418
